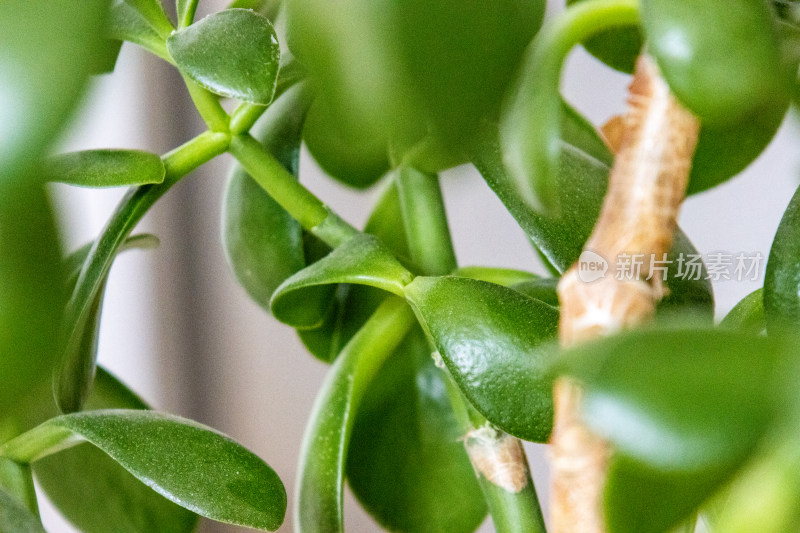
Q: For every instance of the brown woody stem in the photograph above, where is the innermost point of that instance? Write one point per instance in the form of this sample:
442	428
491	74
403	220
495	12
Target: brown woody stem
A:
646	187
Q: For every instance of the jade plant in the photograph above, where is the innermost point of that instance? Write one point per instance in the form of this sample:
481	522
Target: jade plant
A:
656	415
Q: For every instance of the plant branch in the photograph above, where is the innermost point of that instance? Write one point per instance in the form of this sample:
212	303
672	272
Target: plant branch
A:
284	188
498	459
646	187
208	106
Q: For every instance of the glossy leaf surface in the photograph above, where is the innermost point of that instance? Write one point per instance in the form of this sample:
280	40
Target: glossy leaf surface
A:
582	182
693	44
232	53
405	456
47	50
747	315
126	23
683	408
94	492
492	340
361	260
543	289
107	168
262	242
782	279
323	455
192	465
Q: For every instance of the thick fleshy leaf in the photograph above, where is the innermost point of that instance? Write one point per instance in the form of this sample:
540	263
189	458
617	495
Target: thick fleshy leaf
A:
15	517
354	304
543	289
361	260
692	43
323	455
185	10
492	340
126	23
153	12
683	409
405	456
47	51
79	356
262	242
782	279
107	168
94	492
353	157
232	53
191	464
747	315
617	48
31	294
501	276
582	182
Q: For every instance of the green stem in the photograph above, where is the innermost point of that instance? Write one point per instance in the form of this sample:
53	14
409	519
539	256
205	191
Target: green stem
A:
284	188
425	221
324	450
244	116
187	17
530	132
41	441
208	106
131	209
513	509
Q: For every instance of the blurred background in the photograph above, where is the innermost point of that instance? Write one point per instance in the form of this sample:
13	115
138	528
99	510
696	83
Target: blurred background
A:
179	330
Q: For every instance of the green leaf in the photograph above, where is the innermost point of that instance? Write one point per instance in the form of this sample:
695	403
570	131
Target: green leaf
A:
107	168
16	518
232	53
31	294
543	289
692	42
191	464
262	242
362	260
126	23
501	276
747	315
582	182
79	357
683	409
354	157
782	278
153	12
492	340
47	50
580	133
405	456
94	492
325	442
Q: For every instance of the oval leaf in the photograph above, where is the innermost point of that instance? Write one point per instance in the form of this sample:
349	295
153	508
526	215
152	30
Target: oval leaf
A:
262	242
107	168
94	492
492	340
232	53
782	279
683	409
405	456
361	260
186	462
